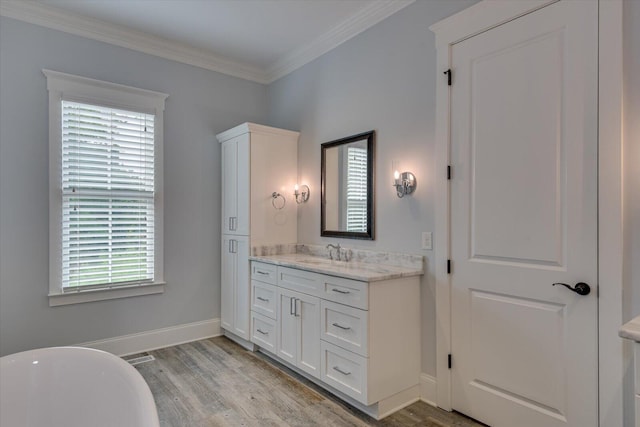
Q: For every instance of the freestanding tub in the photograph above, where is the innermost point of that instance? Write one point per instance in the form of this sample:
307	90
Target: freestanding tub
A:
73	387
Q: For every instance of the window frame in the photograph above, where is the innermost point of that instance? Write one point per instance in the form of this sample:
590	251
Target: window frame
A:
357	178
62	86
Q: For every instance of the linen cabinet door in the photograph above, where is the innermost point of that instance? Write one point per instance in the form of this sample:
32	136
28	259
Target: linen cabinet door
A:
235	185
229	154
287	341
242	297
227	283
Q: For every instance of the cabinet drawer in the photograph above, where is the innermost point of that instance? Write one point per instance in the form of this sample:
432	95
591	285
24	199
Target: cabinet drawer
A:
344	371
346	291
300	280
263	272
263	332
263	299
344	326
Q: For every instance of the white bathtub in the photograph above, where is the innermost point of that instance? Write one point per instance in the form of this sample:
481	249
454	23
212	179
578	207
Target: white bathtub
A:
73	386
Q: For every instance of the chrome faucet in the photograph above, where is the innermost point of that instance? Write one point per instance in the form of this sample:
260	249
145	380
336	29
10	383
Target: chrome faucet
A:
337	247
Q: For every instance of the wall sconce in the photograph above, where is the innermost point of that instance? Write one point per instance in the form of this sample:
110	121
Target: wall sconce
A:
301	196
404	182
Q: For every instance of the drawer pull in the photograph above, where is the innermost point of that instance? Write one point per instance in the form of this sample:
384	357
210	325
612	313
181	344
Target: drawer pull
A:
335	368
263	299
262	272
340	291
262	332
338	325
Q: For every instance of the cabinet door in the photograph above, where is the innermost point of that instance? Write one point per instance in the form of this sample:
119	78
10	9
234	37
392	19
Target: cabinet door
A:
235	185
229	180
227	283
235	287
287	341
242	301
243	187
308	313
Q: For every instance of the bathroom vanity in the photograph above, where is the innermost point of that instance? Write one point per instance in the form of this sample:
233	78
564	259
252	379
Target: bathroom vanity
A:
351	327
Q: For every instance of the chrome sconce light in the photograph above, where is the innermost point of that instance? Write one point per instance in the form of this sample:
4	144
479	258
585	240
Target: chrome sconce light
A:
301	193
404	182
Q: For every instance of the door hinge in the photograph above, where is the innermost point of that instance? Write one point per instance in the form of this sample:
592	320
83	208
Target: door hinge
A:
448	171
448	73
448	266
449	360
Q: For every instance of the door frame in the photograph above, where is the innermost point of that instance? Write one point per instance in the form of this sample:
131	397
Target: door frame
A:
469	22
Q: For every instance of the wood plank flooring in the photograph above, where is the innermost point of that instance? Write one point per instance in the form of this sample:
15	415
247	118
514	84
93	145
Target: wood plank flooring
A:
215	382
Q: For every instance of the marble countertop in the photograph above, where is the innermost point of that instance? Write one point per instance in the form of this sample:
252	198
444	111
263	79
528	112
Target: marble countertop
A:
631	330
356	270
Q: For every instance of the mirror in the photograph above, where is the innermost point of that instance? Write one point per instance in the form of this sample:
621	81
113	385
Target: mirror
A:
347	187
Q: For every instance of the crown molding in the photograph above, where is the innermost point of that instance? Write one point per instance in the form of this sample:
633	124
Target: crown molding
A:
375	12
119	35
81	25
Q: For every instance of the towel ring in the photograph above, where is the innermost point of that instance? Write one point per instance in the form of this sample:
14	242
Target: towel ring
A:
275	196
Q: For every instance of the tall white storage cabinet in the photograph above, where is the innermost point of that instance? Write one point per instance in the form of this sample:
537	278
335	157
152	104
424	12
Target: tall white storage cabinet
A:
256	162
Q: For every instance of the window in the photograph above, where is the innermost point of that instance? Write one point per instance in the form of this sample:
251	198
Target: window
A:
356	189
106	190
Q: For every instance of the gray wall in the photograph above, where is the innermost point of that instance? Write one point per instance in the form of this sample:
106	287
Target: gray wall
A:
201	103
631	46
383	79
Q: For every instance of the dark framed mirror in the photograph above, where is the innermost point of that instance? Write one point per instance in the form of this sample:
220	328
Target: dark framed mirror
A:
347	187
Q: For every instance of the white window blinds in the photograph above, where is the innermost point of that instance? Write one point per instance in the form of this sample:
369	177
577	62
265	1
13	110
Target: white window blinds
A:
357	189
107	196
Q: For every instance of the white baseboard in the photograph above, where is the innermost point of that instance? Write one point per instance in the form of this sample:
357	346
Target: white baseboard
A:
157	338
428	392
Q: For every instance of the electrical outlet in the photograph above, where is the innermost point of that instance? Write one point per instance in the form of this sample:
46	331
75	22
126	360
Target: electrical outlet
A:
427	241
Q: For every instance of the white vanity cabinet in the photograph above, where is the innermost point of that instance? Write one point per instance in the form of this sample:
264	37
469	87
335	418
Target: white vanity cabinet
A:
358	339
256	161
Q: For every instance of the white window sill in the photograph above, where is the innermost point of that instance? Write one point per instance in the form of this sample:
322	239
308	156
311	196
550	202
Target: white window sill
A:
90	295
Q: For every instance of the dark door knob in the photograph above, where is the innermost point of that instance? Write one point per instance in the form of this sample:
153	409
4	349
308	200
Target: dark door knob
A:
580	288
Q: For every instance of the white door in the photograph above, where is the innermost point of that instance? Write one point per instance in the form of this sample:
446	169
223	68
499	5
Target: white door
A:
299	330
235	287
227	283
287	324
242	296
523	216
308	312
235	179
229	184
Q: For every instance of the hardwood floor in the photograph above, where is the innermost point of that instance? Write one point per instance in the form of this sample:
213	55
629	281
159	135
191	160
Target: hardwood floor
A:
215	382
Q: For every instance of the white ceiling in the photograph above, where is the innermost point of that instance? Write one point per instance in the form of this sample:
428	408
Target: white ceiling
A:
260	40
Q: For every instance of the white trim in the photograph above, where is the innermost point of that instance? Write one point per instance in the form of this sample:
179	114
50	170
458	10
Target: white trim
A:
610	214
90	295
67	86
473	20
255	128
482	17
428	389
158	338
119	35
374	12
